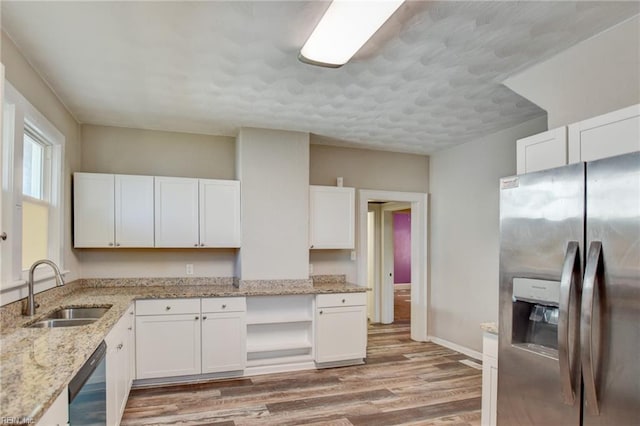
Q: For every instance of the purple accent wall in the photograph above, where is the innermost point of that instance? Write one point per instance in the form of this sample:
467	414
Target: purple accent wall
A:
401	247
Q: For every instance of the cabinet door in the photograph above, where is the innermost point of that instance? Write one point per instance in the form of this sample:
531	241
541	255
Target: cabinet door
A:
58	412
219	213
542	151
134	211
167	345
223	342
176	212
341	333
332	217
489	379
93	210
604	136
113	367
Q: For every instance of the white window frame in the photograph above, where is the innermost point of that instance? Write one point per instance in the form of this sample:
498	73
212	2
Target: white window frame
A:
18	112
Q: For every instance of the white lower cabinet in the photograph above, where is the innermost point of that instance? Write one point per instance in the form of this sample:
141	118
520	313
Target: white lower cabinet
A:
58	413
489	379
341	327
248	335
167	338
179	337
224	334
120	347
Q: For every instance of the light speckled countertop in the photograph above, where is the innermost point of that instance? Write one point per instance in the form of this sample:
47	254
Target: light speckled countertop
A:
36	364
489	327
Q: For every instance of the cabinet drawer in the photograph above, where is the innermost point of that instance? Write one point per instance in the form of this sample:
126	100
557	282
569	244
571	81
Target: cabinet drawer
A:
341	299
224	304
167	306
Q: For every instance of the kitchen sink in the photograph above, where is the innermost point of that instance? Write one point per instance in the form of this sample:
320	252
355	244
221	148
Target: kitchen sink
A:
55	323
70	317
78	313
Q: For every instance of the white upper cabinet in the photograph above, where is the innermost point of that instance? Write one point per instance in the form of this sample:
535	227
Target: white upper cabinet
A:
176	212
112	210
604	136
219	213
542	151
147	211
331	217
134	211
94	210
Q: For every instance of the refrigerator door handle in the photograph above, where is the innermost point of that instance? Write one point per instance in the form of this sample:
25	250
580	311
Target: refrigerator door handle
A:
593	268
567	338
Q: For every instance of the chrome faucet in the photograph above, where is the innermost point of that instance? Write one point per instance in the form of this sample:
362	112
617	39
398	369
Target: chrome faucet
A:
30	307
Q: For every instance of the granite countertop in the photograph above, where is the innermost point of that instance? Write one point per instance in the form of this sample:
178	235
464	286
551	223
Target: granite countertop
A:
489	327
37	364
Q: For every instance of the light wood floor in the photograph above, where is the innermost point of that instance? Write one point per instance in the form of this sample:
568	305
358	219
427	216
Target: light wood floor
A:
402	304
402	383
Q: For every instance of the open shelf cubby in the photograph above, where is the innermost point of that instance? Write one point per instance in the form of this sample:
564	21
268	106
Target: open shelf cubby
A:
279	329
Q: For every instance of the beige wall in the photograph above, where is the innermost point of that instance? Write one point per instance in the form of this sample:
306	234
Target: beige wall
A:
121	150
23	77
368	169
464	227
362	169
273	167
594	77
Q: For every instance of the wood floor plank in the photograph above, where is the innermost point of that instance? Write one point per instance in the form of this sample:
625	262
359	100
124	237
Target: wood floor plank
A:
402	383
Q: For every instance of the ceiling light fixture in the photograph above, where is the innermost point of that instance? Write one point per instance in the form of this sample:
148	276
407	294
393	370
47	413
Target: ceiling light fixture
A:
344	29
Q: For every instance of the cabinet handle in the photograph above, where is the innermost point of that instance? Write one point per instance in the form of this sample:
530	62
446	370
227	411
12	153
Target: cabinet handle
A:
204	318
130	328
201	245
224	306
131	313
343	300
167	308
3	236
195	245
120	346
117	244
110	244
197	318
320	312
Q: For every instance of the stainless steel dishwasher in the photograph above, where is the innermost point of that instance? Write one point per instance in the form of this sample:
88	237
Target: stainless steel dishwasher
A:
88	391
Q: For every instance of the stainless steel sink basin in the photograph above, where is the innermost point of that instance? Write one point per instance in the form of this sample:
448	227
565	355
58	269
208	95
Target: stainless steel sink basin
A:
70	317
77	313
55	323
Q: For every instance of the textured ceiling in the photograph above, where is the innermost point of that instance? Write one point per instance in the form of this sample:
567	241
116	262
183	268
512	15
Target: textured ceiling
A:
431	78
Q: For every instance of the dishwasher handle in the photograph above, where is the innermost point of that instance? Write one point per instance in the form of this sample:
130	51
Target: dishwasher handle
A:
86	370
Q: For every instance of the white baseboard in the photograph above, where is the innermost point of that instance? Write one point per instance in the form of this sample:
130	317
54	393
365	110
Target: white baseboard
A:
456	347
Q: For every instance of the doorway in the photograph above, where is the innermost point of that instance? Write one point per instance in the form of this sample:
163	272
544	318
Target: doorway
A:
374	209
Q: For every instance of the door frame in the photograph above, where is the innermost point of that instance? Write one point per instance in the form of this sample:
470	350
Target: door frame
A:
419	254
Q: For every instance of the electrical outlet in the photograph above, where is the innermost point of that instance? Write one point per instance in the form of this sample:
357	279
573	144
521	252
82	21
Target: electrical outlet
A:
311	268
189	268
353	255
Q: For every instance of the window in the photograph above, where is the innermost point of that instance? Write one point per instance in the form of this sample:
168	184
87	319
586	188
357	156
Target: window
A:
36	183
32	195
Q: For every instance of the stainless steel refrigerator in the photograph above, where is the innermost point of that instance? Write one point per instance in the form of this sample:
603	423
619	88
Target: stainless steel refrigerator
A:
569	342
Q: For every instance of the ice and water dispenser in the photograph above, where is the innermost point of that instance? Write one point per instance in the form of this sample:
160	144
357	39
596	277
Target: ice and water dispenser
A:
535	313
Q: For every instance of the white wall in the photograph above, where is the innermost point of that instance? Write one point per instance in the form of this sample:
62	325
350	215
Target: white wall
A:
596	76
464	227
273	168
